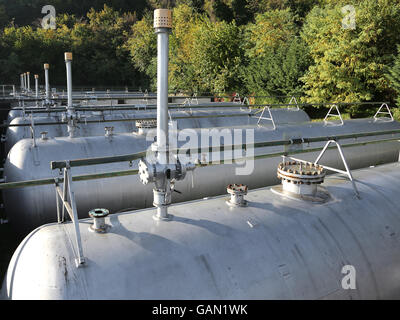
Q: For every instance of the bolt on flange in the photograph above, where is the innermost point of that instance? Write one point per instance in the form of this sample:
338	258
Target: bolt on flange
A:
301	177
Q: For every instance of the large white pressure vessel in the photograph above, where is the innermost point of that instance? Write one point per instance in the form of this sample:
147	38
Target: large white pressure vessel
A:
275	248
30	207
193	118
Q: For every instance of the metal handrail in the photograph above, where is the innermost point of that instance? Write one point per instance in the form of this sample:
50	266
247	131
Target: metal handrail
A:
136	156
128	119
113	174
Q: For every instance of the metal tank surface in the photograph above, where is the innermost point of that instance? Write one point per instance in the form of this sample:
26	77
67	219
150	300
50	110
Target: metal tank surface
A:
206	118
138	105
273	248
30	207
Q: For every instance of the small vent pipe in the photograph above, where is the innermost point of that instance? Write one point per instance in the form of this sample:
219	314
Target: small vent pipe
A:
37	85
71	114
46	76
28	77
25	83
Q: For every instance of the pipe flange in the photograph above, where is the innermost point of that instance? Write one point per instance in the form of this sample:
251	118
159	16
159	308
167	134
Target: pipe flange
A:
99	225
146	124
146	172
301	173
109	131
43	135
237	192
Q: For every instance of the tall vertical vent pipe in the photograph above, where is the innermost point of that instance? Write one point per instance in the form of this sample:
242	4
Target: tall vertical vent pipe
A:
163	26
163	172
22	81
71	115
37	85
46	79
28	76
25	84
68	65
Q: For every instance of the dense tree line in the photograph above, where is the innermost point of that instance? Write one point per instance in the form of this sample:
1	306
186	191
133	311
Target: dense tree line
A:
265	47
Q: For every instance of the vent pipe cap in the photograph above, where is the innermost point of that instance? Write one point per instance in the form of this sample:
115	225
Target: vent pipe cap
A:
68	56
162	18
46	66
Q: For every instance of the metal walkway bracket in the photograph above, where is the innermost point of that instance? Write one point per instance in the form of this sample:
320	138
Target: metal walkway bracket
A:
347	172
145	97
291	102
329	114
194	99
32	127
264	118
70	207
245	102
384	118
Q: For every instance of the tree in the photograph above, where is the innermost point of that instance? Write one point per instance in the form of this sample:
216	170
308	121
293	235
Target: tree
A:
98	45
271	30
142	45
350	65
218	56
182	75
394	75
278	72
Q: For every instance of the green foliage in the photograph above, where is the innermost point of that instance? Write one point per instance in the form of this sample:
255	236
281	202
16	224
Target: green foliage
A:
27	11
218	56
215	46
143	47
271	30
204	56
97	44
394	75
278	72
98	47
350	65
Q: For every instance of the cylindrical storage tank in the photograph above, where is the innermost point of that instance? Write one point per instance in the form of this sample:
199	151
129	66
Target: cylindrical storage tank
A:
30	207
273	248
206	118
17	111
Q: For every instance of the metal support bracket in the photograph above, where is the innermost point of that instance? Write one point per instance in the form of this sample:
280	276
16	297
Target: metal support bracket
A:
32	127
145	97
194	99
291	102
388	119
70	207
329	114
267	108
